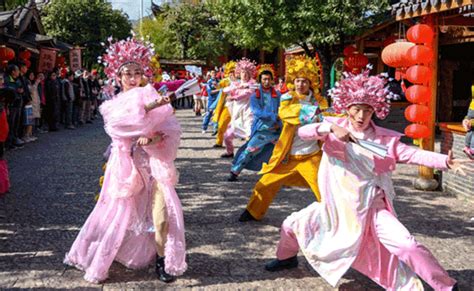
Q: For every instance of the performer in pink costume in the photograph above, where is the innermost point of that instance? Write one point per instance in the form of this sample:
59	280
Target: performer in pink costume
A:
355	224
238	104
138	197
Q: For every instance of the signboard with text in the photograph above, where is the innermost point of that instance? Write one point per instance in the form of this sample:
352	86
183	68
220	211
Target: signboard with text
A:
47	60
75	59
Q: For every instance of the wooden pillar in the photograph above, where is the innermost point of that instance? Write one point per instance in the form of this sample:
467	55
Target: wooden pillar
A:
281	62
261	56
425	180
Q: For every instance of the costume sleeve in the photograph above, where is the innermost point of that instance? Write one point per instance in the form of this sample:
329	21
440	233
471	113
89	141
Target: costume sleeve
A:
410	155
298	114
317	131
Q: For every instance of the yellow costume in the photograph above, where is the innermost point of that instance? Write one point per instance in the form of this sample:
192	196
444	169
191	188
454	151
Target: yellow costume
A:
287	166
221	113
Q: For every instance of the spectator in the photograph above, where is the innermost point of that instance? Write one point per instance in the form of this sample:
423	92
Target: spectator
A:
14	108
28	116
68	97
7	96
26	98
33	85
42	96
95	90
53	101
86	97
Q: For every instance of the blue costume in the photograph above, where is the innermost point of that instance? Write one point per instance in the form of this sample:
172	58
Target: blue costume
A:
266	130
210	86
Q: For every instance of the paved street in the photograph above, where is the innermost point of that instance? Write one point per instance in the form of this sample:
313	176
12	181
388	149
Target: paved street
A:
55	179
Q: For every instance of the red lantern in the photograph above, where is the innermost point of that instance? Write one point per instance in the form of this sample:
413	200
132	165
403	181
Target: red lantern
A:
417	113
417	131
6	54
25	55
27	63
420	33
419	74
394	55
418	94
420	54
356	62
349	50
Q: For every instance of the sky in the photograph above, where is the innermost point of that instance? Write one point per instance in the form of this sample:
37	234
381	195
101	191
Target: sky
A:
132	7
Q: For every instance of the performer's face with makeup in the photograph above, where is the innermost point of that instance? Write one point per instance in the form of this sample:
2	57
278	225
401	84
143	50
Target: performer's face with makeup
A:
301	86
130	76
244	76
360	116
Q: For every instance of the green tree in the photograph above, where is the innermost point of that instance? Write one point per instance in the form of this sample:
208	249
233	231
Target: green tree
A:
315	25
85	23
157	32
185	30
11	4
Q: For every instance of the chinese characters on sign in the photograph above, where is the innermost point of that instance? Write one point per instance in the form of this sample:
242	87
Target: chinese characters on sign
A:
75	59
47	60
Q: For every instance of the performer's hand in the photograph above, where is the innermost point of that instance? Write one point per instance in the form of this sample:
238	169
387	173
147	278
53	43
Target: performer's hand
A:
457	165
466	123
143	141
159	137
342	134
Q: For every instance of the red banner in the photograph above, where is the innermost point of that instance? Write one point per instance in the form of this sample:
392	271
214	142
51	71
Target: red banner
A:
47	60
75	59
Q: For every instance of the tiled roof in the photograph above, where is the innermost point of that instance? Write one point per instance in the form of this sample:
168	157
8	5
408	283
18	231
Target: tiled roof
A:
413	8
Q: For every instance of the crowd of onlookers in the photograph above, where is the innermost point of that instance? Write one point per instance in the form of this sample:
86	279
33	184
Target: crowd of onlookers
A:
36	103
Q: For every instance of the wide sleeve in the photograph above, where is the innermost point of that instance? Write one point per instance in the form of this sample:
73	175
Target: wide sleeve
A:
296	113
125	116
410	155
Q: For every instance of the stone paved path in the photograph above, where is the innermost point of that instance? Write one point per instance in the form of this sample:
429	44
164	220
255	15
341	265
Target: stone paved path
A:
55	180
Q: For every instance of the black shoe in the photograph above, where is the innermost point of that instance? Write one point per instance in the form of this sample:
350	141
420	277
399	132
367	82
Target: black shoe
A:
217	146
246	216
160	271
232	177
214	133
227	156
278	265
456	287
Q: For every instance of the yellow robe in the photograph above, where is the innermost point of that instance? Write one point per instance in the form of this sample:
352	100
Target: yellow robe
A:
221	114
284	169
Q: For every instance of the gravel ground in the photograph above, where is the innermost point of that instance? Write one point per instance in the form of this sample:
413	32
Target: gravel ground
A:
54	181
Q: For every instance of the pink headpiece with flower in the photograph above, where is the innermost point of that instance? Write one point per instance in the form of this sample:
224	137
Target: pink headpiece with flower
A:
125	52
362	89
246	65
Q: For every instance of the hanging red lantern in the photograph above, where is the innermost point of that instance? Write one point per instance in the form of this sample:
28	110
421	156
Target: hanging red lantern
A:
417	113
356	62
418	94
394	55
27	63
25	55
417	131
349	50
419	74
420	54
6	54
420	33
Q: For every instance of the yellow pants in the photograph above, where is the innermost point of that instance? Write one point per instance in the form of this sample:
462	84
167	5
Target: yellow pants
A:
160	220
223	123
296	172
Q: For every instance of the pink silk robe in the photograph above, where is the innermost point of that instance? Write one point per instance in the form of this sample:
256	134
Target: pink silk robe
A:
120	226
332	234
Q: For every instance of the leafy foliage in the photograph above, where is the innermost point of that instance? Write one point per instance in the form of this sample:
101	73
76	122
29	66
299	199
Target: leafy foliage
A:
85	23
185	30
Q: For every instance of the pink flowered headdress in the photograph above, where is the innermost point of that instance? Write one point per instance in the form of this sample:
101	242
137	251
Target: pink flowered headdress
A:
125	52
362	89
246	65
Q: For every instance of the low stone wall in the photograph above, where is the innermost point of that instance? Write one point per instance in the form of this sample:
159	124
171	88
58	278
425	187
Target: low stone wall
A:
452	138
